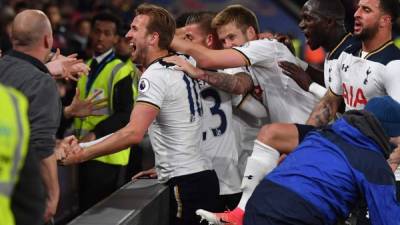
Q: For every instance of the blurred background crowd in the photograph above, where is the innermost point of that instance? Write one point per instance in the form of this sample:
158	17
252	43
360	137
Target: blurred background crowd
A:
71	18
71	23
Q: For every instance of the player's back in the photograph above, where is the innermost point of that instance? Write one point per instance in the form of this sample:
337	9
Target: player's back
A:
176	132
219	138
285	100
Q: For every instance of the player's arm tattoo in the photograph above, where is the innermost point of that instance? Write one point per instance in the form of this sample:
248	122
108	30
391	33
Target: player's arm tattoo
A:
325	110
240	83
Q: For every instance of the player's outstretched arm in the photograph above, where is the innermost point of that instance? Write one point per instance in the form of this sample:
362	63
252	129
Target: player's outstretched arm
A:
240	83
141	117
325	110
209	58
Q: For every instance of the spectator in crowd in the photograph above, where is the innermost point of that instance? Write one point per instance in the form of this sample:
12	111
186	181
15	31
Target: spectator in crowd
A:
6	18
14	146
78	41
23	68
109	78
52	10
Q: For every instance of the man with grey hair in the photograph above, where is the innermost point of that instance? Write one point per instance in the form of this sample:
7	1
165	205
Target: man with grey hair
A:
23	68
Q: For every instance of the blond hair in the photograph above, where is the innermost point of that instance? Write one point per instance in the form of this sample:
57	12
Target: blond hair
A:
240	15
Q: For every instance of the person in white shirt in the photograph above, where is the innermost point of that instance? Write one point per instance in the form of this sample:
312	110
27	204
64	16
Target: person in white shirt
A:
169	106
245	126
323	25
367	69
285	100
219	142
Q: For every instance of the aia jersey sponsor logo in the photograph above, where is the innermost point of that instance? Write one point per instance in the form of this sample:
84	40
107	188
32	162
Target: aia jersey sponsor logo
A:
353	96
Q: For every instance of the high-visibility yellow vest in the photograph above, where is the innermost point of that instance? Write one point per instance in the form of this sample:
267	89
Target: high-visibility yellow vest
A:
397	42
114	71
135	74
14	140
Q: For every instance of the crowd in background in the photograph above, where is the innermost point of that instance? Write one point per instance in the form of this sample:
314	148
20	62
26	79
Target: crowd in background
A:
72	25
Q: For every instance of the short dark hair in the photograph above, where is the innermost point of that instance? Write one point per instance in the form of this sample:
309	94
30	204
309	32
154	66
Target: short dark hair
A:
109	17
160	21
203	19
332	9
391	7
82	20
242	16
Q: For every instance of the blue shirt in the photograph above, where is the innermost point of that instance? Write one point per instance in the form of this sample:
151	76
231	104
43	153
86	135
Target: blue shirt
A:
334	174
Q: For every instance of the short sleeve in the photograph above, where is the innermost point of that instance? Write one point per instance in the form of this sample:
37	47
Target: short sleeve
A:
264	50
236	100
152	87
391	79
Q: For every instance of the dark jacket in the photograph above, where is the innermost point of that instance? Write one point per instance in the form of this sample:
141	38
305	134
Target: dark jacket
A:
31	77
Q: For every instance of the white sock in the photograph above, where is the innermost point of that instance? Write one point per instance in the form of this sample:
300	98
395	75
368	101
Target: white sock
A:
262	161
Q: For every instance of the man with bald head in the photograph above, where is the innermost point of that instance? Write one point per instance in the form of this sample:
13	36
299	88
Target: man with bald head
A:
23	68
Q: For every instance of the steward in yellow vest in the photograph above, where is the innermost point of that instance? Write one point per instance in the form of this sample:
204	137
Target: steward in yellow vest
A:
135	77
14	139
112	78
113	71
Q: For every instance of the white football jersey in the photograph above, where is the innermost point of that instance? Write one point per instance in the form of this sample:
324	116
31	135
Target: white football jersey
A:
285	100
219	139
360	79
176	132
331	60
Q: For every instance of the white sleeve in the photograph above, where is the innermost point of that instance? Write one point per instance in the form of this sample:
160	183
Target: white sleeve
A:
88	144
391	79
235	70
236	100
317	90
153	87
253	107
263	50
336	79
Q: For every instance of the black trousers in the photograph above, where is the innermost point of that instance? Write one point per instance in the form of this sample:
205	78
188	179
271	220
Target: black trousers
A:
98	180
228	202
273	204
191	192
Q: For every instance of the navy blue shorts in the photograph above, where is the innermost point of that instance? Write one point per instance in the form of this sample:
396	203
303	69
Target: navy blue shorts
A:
273	204
303	130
